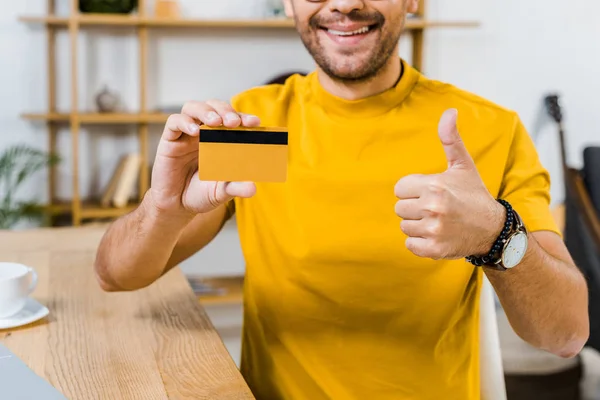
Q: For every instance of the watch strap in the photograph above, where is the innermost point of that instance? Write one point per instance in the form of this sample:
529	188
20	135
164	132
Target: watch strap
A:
495	253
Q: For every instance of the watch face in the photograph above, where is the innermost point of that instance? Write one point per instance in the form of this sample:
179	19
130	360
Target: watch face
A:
515	250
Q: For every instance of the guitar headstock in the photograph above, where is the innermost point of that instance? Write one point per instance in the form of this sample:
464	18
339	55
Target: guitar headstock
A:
552	103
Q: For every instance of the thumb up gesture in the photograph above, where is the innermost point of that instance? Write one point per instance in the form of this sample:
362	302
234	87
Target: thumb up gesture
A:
450	215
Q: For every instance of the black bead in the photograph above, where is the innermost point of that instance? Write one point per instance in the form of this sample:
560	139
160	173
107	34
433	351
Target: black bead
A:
498	243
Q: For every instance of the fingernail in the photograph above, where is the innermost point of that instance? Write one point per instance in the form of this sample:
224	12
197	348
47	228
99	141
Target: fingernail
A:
230	117
213	116
193	128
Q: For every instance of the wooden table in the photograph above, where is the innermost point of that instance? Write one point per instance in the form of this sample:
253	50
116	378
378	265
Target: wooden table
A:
155	343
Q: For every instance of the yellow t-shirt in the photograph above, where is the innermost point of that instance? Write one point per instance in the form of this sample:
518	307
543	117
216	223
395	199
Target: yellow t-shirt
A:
336	307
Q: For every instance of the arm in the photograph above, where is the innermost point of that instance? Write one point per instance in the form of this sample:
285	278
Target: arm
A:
180	214
452	215
140	247
545	297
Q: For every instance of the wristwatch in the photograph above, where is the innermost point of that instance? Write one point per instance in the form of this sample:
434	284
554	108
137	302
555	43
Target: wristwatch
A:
511	245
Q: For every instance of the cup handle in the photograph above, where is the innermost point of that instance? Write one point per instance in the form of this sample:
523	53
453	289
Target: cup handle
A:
34	280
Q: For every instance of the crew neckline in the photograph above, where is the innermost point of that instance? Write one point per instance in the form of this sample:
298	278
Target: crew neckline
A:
371	106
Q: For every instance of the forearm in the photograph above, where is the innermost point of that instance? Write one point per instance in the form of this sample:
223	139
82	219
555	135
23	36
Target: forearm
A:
545	299
135	250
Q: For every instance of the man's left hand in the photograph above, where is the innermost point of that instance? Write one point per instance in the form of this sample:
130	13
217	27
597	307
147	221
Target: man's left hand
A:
450	215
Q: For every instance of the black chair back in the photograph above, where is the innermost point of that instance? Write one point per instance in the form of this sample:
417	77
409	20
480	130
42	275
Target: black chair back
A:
582	238
582	216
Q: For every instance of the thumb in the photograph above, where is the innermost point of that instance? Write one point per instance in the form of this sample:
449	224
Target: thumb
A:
222	192
456	152
240	189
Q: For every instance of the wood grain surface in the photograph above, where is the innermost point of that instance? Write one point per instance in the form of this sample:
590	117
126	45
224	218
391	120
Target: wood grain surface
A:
155	343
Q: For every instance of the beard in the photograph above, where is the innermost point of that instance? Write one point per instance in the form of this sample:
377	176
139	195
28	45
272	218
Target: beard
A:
348	66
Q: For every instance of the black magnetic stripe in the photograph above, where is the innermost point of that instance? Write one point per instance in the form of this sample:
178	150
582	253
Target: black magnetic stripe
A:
243	136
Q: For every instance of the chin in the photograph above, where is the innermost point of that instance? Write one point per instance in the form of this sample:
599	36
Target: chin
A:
350	69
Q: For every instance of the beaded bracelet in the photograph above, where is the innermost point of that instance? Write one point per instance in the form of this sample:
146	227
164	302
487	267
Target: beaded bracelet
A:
499	243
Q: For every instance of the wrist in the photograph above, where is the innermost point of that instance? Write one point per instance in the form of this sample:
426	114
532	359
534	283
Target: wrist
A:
157	215
494	222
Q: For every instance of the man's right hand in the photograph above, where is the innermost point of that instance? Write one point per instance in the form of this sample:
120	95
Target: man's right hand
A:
175	187
180	214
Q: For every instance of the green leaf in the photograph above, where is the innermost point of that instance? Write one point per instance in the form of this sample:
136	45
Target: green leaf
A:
17	164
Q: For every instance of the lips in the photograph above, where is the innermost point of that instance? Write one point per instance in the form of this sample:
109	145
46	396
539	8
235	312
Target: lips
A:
349	36
359	31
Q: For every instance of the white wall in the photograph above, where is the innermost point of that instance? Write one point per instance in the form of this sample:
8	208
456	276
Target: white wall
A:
522	51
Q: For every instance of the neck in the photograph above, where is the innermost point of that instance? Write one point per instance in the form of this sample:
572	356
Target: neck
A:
386	78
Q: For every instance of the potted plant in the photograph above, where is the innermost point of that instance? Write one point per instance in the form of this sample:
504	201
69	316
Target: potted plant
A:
17	164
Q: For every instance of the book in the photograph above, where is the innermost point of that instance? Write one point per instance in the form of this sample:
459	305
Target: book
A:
125	185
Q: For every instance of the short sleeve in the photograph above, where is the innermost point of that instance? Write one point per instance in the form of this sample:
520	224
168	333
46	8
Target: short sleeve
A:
526	183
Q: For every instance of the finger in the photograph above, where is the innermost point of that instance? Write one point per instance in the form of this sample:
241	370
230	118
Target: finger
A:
202	112
241	189
413	228
231	119
456	152
177	124
225	191
249	120
418	246
409	209
411	186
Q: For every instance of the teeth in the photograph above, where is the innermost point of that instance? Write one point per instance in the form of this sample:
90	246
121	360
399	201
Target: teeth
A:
356	32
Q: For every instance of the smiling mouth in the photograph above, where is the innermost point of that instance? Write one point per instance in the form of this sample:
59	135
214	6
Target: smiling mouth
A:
362	31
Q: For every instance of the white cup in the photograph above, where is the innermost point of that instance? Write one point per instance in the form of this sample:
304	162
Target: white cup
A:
17	282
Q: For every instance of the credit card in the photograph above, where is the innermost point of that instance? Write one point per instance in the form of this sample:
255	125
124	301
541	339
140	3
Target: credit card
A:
243	154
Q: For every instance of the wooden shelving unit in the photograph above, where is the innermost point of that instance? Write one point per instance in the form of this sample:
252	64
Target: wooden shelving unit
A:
76	21
89	210
219	290
136	21
99	118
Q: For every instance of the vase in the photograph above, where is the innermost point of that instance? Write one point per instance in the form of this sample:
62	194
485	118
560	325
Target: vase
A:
107	101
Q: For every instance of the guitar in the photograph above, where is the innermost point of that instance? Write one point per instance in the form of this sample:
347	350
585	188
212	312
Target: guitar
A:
554	109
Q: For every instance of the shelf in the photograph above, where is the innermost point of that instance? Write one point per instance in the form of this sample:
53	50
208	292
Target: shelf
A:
99	118
280	23
423	24
218	291
134	21
91	210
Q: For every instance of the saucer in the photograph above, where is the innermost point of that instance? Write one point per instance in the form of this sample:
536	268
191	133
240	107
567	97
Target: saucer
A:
32	312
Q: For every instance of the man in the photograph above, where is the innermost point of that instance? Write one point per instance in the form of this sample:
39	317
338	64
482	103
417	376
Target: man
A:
363	270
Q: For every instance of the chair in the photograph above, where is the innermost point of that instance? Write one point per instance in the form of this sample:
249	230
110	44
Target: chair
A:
491	369
582	237
582	220
582	233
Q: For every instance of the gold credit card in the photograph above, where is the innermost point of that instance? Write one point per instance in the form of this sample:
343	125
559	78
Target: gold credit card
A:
243	154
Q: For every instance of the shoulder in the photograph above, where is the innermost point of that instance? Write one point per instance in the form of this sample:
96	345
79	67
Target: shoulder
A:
473	104
481	121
